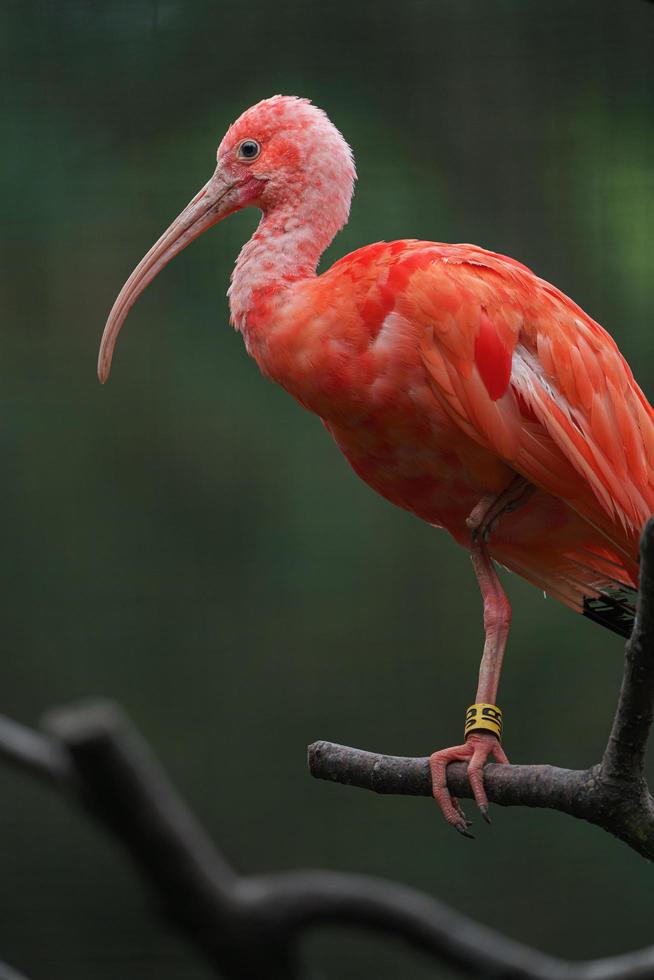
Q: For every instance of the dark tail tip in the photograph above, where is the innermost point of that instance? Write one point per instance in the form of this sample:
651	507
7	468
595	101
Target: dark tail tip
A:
615	610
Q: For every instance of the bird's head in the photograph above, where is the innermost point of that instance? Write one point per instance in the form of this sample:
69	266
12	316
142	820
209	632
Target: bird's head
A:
282	155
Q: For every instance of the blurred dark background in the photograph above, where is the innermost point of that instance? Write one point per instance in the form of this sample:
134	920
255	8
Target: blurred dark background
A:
189	542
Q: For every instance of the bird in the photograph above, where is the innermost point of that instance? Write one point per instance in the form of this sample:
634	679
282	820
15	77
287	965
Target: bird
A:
457	384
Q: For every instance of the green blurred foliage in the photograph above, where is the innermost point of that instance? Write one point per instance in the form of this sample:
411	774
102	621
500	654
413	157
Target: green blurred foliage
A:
189	542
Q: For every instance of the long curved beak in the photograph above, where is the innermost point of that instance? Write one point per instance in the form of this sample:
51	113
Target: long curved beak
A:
210	205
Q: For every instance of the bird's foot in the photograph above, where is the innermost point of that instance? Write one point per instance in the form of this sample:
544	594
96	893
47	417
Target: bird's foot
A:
476	750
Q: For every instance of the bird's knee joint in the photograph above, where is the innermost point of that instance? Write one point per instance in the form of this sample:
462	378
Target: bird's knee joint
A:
473	526
497	614
505	617
496	622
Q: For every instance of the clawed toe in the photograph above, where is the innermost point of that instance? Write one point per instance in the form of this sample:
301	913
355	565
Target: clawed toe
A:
459	809
463	830
476	750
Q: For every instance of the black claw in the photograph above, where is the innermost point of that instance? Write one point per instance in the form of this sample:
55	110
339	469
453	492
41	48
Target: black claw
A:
483	809
461	813
463	829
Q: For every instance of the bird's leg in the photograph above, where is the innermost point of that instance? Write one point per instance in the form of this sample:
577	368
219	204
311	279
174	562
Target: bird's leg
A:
479	745
490	508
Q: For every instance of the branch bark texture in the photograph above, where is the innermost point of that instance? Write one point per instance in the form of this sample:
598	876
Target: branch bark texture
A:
612	795
249	927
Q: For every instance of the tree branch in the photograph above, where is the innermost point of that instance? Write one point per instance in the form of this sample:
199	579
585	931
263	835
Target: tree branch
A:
612	795
249	927
35	753
624	757
6	973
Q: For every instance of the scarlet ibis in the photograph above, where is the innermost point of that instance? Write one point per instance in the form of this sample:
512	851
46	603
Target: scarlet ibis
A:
458	385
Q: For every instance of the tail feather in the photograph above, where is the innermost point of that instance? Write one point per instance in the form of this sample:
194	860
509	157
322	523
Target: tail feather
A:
613	603
615	610
591	582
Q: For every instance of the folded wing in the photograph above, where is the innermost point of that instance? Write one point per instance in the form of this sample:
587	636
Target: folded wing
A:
526	373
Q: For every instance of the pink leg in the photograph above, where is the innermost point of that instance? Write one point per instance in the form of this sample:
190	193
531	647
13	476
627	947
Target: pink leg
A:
478	746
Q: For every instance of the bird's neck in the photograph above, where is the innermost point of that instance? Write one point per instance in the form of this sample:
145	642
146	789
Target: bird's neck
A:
285	249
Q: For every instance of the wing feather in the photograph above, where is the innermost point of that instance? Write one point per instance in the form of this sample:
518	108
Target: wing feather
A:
571	419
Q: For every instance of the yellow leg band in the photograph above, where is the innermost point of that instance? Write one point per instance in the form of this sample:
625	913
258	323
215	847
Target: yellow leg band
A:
483	718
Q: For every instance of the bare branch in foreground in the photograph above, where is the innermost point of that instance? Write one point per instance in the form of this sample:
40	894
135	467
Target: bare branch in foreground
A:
249	927
33	752
6	973
612	795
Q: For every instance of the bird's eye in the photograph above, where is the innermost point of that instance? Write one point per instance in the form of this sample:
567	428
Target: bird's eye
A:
249	150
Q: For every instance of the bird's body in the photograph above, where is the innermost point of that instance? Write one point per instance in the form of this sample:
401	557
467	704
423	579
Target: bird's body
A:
458	384
384	347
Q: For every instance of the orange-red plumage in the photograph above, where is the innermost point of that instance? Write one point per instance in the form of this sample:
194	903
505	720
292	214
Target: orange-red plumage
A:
443	370
457	383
